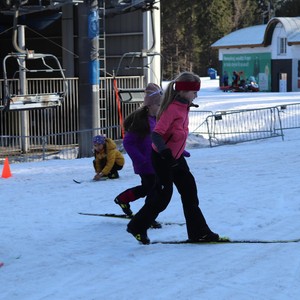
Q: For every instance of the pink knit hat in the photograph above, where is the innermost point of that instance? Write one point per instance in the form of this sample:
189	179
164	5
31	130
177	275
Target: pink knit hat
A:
153	94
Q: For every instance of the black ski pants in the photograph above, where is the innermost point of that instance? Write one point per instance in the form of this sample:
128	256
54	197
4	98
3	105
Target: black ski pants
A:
160	196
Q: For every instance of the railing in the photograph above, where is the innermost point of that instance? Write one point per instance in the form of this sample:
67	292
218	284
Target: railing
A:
65	118
226	127
112	114
55	132
50	146
197	122
289	115
46	121
231	127
237	126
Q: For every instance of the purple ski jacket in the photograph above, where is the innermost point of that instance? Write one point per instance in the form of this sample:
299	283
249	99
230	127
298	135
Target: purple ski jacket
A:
139	149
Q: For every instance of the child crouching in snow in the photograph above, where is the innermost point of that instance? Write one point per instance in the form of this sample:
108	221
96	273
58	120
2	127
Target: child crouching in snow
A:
108	159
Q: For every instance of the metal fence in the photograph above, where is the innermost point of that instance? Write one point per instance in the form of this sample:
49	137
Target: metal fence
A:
54	133
58	128
65	118
197	122
114	116
43	121
237	126
231	127
289	115
44	148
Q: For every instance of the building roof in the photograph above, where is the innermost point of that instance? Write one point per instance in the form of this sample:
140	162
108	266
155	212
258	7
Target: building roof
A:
245	37
261	35
291	27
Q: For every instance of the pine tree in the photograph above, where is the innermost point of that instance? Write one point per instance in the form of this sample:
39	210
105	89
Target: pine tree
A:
289	8
213	22
190	27
178	39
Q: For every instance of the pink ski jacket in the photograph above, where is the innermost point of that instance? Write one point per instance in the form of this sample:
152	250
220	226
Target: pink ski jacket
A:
173	127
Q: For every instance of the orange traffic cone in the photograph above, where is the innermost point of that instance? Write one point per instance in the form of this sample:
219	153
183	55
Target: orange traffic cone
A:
6	169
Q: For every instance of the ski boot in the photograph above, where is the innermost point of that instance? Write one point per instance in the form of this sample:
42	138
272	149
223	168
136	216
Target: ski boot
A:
155	225
125	207
140	237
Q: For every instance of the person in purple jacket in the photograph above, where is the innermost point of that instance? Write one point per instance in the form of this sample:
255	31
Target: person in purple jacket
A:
137	143
169	140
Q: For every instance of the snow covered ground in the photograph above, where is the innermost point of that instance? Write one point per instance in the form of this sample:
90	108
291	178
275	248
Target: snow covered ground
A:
246	191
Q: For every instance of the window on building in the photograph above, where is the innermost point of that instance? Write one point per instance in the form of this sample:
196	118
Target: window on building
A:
281	46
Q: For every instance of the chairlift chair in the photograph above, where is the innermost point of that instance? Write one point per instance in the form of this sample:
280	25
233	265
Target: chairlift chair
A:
131	95
33	101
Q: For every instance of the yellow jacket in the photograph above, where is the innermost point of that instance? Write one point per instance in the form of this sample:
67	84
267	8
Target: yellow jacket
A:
107	157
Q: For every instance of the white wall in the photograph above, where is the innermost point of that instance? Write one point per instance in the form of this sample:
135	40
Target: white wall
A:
279	32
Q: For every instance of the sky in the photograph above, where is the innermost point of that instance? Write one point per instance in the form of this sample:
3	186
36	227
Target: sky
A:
246	191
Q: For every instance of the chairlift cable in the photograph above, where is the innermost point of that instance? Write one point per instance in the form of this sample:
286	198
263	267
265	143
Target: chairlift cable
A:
56	44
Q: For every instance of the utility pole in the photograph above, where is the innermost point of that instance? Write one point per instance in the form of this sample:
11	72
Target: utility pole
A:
88	46
23	91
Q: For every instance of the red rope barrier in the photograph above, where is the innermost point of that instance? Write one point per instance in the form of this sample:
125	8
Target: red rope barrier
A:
119	107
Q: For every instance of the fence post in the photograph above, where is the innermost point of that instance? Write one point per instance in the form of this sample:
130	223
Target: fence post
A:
44	143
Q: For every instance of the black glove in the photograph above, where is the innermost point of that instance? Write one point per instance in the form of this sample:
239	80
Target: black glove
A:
166	154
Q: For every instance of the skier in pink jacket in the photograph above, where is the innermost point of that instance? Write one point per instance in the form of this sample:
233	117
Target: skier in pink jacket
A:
168	144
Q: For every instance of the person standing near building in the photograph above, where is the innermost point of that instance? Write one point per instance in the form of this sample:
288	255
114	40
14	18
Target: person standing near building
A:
235	79
169	140
225	79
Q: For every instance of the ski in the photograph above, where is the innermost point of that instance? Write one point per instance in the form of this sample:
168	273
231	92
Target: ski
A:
77	181
123	216
226	240
90	180
119	216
